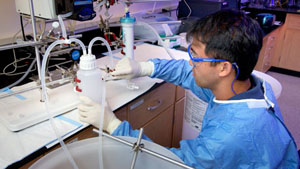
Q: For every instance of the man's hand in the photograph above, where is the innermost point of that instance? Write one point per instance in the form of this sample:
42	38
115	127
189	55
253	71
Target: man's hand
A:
89	112
129	69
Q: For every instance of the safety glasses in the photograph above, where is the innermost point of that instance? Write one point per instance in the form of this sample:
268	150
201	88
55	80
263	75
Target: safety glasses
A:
193	54
193	59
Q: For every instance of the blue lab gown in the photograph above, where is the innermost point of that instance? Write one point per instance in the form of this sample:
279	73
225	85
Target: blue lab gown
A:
246	133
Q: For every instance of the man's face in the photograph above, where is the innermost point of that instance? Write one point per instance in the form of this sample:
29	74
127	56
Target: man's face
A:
204	73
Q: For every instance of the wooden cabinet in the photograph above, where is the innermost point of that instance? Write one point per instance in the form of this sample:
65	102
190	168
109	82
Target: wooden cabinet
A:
122	113
160	113
281	48
160	128
289	55
154	112
147	107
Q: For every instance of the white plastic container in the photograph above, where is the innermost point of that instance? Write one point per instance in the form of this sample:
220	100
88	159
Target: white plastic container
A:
42	8
89	78
275	84
115	155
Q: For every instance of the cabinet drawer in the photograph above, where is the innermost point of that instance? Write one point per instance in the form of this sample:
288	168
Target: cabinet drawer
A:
150	105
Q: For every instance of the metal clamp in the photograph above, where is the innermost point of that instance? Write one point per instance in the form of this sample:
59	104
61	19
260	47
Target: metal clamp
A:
136	147
150	152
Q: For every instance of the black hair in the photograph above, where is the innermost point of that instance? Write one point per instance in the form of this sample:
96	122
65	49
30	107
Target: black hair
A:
230	35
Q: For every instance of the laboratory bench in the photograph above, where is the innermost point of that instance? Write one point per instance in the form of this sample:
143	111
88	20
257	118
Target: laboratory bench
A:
158	109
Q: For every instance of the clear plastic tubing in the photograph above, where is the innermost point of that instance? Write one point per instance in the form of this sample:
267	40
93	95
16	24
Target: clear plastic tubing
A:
99	4
62	25
45	96
107	46
103	103
158	37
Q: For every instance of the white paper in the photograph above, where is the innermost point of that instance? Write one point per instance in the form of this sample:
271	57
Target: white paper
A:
194	111
15	146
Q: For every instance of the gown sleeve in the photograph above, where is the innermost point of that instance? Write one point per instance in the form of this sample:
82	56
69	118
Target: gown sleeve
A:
179	72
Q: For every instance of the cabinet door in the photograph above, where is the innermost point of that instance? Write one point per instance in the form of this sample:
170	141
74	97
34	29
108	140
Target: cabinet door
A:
180	93
178	121
290	54
293	21
160	128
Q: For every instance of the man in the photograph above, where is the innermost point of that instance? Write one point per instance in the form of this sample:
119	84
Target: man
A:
242	126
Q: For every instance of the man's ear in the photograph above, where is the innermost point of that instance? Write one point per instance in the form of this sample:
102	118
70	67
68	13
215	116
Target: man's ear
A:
225	69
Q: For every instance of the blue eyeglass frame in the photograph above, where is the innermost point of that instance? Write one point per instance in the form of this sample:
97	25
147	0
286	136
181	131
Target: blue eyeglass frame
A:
203	59
234	65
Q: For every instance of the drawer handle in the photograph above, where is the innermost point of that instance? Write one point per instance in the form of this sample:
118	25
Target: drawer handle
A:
155	106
